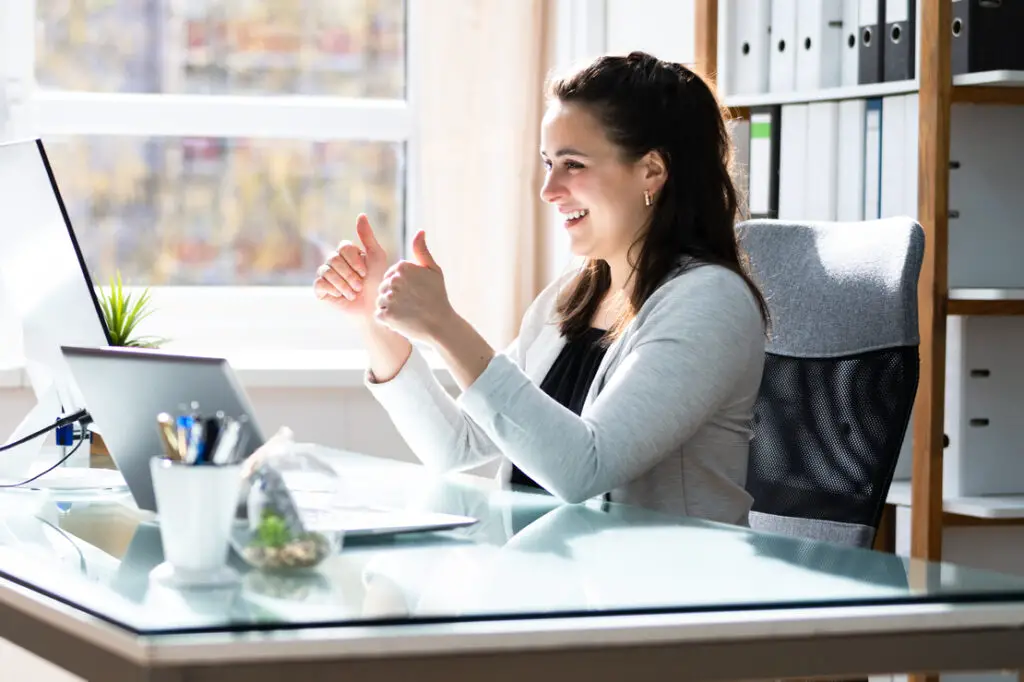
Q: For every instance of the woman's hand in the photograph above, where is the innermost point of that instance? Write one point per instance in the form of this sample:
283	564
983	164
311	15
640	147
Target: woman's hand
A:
412	297
351	276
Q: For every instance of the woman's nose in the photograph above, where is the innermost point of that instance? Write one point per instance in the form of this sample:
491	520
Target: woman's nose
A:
552	190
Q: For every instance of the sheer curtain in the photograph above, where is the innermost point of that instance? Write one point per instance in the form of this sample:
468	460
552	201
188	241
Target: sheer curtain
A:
481	66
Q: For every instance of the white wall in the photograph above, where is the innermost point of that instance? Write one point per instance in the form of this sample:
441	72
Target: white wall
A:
663	28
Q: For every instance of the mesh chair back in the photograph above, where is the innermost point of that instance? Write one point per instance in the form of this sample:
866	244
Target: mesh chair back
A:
840	374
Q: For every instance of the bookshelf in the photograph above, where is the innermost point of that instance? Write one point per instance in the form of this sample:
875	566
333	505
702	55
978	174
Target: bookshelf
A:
937	90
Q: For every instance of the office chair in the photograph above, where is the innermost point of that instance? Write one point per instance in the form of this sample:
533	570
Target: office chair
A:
840	373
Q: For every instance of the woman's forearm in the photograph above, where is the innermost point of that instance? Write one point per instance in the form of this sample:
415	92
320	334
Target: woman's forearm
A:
466	353
388	351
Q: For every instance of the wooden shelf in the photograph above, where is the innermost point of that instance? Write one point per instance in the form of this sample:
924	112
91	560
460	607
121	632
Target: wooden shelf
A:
823	95
986	87
997	79
985	302
991	507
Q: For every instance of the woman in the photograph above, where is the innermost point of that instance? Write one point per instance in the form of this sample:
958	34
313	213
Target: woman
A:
633	376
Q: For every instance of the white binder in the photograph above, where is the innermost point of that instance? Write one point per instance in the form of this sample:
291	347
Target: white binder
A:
893	195
986	182
984	390
819	26
821	163
761	163
850	160
793	162
872	158
850	48
750	49
910	138
782	63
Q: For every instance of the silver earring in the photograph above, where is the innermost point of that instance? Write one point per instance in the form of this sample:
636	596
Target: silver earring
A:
647	198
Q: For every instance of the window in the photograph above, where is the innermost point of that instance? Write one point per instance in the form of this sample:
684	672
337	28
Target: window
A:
214	149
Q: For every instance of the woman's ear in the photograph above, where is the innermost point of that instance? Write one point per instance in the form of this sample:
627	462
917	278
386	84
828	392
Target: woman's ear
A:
654	170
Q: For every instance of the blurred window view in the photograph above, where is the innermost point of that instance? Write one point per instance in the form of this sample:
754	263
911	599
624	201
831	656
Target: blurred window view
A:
223	211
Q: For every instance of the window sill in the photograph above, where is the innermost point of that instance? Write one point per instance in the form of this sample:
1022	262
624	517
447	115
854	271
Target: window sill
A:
282	368
312	368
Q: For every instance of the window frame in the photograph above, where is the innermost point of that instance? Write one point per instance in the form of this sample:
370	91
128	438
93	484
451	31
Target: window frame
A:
221	317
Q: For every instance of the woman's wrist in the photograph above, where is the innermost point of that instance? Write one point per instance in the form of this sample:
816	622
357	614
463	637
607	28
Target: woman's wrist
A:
447	330
465	352
387	350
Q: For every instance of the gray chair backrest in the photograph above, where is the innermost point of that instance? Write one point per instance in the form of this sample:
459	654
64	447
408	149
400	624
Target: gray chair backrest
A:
841	371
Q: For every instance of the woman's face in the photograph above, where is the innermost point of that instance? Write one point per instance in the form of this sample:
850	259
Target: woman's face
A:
599	194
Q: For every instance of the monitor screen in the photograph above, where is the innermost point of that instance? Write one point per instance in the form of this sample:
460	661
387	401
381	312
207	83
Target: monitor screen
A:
44	282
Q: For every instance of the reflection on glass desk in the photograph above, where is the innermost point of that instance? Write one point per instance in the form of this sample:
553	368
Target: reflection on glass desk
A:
527	557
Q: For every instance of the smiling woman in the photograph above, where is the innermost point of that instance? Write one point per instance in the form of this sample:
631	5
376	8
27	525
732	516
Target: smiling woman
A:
633	376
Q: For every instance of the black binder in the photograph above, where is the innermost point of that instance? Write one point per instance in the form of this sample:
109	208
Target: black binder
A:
901	37
871	44
987	35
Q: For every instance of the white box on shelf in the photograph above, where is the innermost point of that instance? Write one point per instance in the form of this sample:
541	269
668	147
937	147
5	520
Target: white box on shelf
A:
984	398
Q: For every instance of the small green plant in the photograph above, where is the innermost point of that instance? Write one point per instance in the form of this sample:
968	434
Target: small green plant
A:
272	531
123	314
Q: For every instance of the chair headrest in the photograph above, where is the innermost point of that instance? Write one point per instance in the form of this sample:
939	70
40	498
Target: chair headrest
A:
837	288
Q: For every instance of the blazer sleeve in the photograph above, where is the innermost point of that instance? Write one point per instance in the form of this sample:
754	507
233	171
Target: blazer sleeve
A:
699	334
435	427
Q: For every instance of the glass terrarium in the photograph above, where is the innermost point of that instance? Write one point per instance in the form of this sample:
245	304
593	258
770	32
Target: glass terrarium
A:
287	491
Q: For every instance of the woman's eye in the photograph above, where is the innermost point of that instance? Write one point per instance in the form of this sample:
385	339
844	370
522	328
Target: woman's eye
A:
546	163
573	165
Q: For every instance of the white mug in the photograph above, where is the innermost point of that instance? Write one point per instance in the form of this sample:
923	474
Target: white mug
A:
195	511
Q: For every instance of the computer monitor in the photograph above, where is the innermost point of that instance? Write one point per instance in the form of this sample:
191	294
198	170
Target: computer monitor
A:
45	286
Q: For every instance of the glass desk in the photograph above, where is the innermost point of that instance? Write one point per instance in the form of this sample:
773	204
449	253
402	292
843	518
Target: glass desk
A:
532	578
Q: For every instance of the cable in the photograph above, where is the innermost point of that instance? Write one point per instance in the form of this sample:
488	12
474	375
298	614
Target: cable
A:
81	415
43	473
82	564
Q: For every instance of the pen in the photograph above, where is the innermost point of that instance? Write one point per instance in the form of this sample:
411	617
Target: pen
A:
195	443
224	451
211	434
168	437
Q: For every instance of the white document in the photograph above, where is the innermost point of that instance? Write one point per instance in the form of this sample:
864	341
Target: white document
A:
897	11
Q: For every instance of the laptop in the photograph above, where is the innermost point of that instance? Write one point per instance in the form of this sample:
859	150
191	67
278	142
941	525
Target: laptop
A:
126	388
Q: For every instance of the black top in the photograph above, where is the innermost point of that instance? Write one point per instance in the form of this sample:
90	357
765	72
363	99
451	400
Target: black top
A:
569	379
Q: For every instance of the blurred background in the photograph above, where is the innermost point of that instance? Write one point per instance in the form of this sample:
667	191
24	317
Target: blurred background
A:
223	211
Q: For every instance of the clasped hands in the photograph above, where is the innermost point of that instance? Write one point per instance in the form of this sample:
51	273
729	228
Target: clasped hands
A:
409	297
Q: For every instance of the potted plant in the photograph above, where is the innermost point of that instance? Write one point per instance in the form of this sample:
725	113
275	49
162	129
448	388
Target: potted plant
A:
122	313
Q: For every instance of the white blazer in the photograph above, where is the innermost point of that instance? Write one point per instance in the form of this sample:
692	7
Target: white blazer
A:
665	425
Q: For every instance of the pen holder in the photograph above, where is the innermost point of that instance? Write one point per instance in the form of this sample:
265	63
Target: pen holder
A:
195	509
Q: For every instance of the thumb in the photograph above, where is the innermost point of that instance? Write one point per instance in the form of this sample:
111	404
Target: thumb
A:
366	236
423	257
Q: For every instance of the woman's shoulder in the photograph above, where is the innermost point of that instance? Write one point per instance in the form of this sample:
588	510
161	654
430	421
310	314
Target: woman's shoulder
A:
718	282
705	289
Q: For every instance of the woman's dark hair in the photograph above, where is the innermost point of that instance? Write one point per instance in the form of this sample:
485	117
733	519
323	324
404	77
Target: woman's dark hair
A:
645	104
